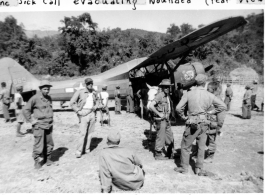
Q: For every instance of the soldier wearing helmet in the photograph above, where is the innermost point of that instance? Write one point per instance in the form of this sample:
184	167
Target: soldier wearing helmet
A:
161	106
198	101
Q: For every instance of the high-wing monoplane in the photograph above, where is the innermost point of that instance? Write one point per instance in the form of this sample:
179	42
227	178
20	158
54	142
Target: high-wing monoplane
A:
151	69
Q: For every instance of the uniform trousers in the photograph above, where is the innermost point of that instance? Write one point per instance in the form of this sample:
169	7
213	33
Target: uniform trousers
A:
210	143
117	104
87	127
43	142
246	111
253	102
164	135
191	133
130	104
5	108
228	102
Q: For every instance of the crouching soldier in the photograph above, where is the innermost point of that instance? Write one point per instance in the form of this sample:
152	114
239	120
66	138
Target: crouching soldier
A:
198	102
161	108
40	105
119	166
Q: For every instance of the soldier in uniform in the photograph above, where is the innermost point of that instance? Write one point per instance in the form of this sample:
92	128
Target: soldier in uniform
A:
19	103
253	95
130	103
5	97
161	106
84	103
198	102
246	104
228	96
40	105
216	123
119	167
117	96
216	86
103	105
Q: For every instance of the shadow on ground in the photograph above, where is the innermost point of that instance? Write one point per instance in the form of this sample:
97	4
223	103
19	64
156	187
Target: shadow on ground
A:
58	153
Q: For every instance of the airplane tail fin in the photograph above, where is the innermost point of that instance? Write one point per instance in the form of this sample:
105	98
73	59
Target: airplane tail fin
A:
14	75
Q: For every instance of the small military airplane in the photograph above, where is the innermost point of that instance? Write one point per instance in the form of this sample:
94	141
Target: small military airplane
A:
151	69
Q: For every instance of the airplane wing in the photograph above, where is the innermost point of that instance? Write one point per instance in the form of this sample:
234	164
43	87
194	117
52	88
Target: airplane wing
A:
192	41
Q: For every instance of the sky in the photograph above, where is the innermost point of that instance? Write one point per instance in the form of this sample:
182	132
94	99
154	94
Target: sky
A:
156	21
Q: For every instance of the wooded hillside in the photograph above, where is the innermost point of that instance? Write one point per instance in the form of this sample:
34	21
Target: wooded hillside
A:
81	49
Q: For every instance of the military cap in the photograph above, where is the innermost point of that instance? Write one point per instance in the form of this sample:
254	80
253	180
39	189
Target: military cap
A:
165	82
104	87
247	87
255	81
88	80
201	79
114	136
44	83
19	87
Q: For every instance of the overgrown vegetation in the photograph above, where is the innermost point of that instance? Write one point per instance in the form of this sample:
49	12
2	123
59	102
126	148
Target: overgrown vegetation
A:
81	49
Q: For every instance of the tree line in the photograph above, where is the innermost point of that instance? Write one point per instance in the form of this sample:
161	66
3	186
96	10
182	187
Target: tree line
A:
82	49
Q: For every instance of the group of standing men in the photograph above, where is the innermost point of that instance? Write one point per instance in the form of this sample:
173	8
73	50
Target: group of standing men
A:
204	119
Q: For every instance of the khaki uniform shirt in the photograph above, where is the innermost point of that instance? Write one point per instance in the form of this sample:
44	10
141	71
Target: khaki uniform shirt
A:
254	89
246	98
4	96
129	92
199	102
162	102
229	92
41	108
78	100
117	93
121	167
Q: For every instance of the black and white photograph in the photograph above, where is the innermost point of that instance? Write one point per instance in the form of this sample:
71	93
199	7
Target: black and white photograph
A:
145	101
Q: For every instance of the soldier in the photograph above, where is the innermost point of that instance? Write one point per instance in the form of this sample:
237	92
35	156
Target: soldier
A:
119	166
84	103
246	104
130	103
161	106
228	96
253	95
5	97
103	105
216	86
216	123
19	103
117	96
40	105
198	102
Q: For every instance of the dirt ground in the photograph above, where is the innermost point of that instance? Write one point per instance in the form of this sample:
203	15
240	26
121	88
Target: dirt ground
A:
238	163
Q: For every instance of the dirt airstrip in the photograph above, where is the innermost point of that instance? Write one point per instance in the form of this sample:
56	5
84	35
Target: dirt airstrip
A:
237	167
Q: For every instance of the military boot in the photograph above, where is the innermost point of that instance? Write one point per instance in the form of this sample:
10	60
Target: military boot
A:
209	158
159	156
38	164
